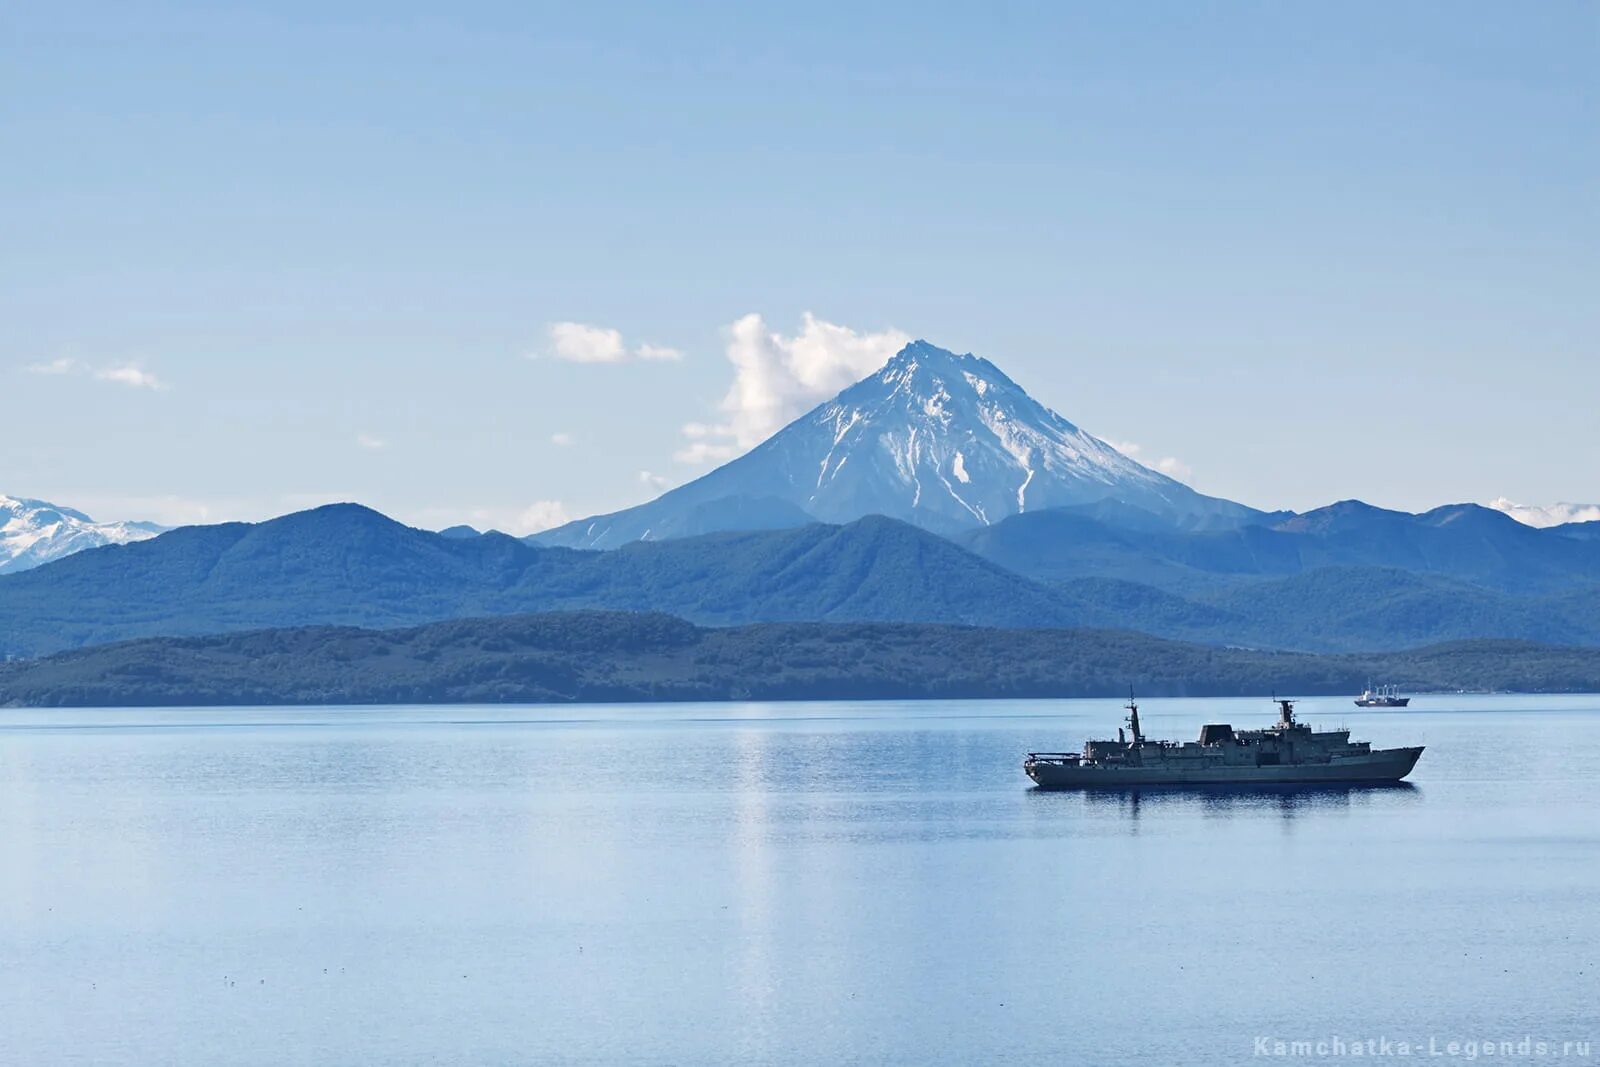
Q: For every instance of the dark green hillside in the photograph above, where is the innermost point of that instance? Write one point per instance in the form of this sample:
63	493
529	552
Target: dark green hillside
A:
1579	531
875	569
596	656
1347	608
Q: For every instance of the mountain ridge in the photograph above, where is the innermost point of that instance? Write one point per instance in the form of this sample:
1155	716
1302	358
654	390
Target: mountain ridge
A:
344	564
348	565
1463	542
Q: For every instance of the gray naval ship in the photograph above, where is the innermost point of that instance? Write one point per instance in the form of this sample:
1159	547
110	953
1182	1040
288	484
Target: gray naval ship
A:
1287	752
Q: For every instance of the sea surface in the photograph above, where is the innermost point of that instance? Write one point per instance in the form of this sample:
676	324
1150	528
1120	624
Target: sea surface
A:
784	883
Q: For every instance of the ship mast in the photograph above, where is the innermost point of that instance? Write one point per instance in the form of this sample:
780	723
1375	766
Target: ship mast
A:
1133	718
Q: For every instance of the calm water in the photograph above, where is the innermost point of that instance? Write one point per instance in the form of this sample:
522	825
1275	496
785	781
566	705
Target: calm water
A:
776	883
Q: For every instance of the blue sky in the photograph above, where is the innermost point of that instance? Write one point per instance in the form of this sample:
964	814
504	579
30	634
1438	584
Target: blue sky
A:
257	259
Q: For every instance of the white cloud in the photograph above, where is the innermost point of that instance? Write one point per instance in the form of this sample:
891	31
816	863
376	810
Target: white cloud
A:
131	375
54	366
706	444
655	481
1547	514
578	342
776	379
541	515
707	452
561	440
371	443
1171	466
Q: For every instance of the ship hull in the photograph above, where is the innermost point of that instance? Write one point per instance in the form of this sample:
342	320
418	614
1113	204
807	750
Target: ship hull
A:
1385	702
1386	765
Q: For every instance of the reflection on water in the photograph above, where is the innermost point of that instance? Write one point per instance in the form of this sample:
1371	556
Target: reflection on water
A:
770	884
1285	800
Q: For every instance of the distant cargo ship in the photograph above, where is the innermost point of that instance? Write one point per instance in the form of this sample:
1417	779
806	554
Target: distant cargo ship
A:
1385	696
1285	752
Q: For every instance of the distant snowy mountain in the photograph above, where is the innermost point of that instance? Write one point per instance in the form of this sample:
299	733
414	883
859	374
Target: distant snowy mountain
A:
944	441
1547	514
34	532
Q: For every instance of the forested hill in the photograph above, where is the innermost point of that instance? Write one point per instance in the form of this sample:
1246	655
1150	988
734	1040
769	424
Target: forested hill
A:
605	656
345	565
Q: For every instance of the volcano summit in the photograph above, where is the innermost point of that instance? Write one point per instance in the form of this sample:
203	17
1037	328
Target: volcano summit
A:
944	441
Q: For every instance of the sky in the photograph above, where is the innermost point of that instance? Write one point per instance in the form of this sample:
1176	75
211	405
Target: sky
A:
512	263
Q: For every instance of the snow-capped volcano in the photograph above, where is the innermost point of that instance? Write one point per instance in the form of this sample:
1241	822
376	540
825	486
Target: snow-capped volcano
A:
34	532
944	441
